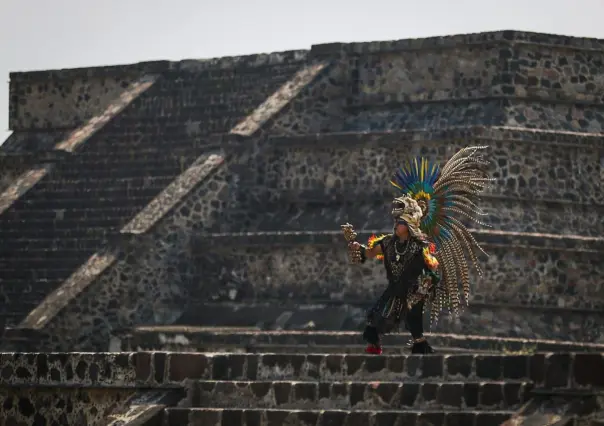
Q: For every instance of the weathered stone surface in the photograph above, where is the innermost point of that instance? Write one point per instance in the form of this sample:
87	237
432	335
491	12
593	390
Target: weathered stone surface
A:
278	100
21	185
224	417
146	407
203	97
514	273
359	395
219	181
578	409
45	103
549	370
523	71
230	309
174	193
116	106
104	388
68	369
523	170
32	142
196	339
69	407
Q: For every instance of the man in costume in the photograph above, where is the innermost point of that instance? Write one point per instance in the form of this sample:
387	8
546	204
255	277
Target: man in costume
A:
425	256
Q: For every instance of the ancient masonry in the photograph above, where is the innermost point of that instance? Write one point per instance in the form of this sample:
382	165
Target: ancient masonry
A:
141	202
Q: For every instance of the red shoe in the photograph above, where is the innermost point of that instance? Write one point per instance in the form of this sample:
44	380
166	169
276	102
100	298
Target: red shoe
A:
373	349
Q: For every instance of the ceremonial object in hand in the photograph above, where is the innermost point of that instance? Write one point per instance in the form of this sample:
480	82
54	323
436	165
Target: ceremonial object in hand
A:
354	253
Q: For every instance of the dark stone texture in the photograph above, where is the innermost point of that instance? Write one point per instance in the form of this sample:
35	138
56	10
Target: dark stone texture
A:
132	194
292	129
589	369
74	369
558	368
119	167
212	417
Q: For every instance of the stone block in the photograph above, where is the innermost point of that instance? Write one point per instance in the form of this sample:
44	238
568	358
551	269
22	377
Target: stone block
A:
489	367
173	368
357	395
558	368
259	417
185	366
69	369
588	370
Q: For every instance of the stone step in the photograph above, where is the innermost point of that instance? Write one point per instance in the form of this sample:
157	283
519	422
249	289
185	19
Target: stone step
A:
167	161
32	284
68	214
123	170
36	272
208	119
358	367
498	320
22	305
160	162
72	201
359	395
88	194
7	254
99	185
195	338
43	258
55	234
179	345
16	313
42	245
63	224
51	261
126	144
331	237
310	417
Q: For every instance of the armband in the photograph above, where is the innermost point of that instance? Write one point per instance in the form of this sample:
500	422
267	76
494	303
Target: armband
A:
357	256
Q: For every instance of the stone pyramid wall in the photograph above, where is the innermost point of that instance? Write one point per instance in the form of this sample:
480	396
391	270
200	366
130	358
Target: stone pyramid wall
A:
220	188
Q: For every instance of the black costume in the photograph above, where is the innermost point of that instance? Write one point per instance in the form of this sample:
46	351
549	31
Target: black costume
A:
403	281
432	206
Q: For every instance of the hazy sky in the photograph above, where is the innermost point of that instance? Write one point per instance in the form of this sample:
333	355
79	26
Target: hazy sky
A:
74	33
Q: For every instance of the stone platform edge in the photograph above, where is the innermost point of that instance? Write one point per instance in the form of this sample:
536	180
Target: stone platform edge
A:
161	66
487	238
452	41
317	338
174	369
476	133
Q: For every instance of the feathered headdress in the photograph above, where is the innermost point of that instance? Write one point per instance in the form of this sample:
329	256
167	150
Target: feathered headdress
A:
447	198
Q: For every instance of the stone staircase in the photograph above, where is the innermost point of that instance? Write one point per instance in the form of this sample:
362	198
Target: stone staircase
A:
306	389
237	376
82	202
253	340
75	211
371	395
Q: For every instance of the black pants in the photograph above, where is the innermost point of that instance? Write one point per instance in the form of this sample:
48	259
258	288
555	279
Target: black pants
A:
414	323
